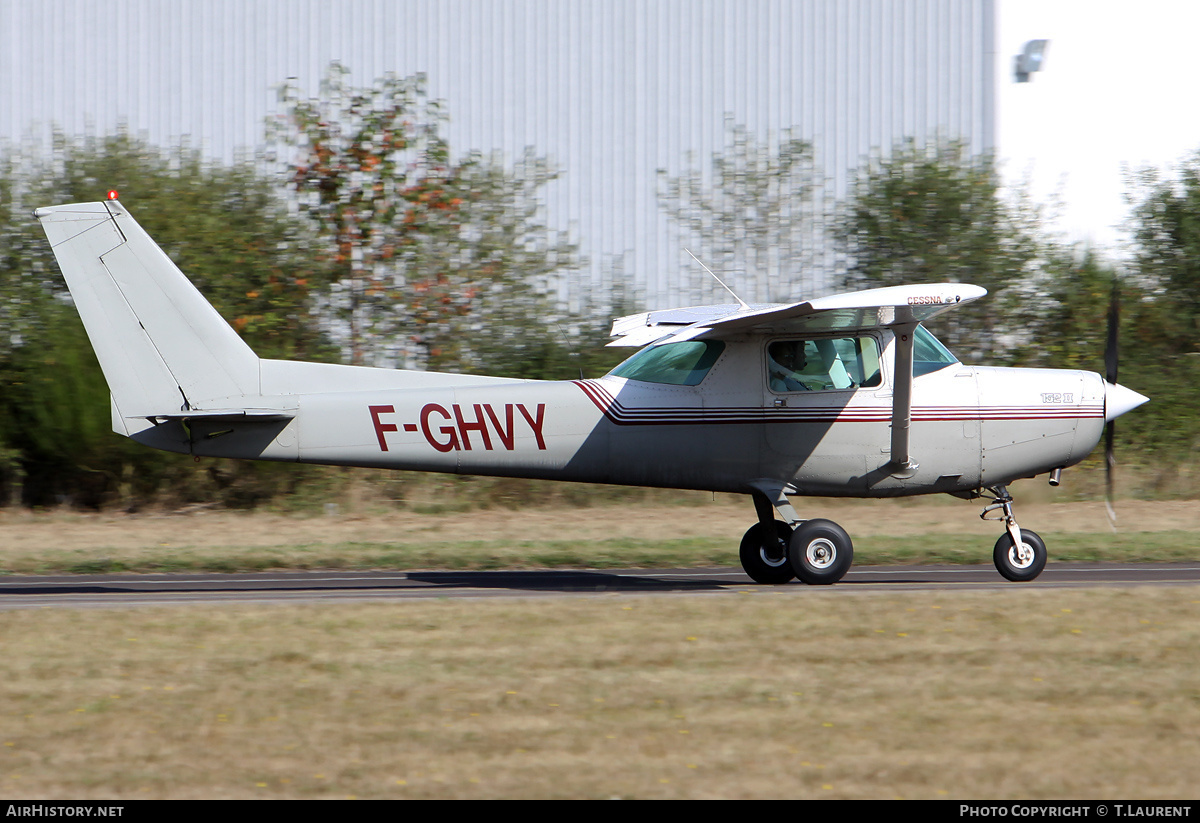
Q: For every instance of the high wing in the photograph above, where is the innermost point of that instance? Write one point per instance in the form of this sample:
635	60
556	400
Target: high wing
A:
853	311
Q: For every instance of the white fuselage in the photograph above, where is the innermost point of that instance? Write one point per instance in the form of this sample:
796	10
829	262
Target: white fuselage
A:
844	395
972	427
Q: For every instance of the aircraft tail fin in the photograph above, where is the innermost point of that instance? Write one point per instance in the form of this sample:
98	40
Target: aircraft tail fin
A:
162	346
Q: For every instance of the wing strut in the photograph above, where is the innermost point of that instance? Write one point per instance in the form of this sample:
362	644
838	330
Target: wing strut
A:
902	398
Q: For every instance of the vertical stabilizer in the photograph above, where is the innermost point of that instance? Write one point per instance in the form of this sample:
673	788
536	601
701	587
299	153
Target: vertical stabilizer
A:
162	346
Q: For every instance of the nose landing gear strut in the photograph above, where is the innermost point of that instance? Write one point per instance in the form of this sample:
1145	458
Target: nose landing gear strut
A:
1020	554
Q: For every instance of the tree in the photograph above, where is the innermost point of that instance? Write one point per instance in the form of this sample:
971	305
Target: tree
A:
751	221
475	281
1166	233
433	260
28	274
1064	310
926	214
223	225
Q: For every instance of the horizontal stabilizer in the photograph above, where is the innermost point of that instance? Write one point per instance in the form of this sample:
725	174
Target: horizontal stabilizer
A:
228	416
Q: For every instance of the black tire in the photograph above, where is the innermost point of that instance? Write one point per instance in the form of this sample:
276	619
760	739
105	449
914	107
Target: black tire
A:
1014	568
767	563
820	552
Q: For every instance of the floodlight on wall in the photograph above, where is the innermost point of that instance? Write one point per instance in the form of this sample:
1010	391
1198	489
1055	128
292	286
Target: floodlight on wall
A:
1029	60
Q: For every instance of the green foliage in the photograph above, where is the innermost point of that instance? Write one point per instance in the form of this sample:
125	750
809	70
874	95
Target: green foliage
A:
56	408
1160	353
1163	431
59	447
932	214
1166	228
30	311
495	262
224	226
28	274
559	350
436	263
750	219
1064	312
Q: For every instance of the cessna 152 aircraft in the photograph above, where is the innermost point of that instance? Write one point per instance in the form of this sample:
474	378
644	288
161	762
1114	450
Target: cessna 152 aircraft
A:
845	395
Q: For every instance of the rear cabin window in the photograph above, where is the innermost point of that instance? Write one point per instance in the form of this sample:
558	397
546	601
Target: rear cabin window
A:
824	364
675	364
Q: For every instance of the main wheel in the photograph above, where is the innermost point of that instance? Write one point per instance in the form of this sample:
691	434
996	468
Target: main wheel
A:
820	552
1020	565
766	561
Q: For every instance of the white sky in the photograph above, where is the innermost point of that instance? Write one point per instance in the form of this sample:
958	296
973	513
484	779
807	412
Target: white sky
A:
1117	91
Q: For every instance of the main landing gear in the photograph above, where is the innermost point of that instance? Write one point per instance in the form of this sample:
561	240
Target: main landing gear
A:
819	552
764	552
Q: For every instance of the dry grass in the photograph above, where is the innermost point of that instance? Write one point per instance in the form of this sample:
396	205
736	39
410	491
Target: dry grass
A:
1019	693
701	531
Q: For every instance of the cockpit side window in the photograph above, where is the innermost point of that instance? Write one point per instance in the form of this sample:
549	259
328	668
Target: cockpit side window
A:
675	364
823	364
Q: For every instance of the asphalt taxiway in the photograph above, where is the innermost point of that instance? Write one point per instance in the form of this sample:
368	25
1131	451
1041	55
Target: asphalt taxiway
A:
18	592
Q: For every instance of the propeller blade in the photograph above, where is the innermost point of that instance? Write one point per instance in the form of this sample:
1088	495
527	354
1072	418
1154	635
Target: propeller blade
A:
1111	348
1111	356
1110	462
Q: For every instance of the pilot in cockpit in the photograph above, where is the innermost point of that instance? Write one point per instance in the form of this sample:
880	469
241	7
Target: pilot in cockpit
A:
785	362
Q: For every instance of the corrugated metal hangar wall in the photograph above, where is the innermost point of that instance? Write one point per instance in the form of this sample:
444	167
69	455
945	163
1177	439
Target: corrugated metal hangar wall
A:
610	90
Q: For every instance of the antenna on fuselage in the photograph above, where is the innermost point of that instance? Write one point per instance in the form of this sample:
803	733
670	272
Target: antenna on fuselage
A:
571	353
719	280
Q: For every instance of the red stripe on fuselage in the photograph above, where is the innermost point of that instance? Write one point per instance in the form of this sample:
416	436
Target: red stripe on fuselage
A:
621	415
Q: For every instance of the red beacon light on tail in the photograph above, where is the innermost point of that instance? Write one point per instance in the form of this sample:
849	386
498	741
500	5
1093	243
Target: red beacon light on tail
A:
112	194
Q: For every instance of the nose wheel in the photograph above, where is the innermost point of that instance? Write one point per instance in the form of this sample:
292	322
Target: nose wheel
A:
1023	562
1020	555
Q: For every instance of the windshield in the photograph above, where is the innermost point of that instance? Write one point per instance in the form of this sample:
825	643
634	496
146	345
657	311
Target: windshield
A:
676	364
929	355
